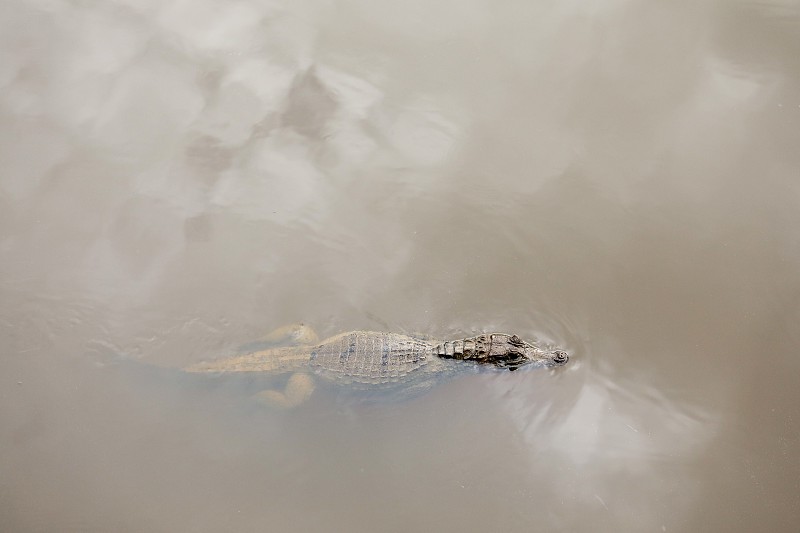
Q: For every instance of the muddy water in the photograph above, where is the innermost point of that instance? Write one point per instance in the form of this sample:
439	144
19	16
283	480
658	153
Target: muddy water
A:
178	178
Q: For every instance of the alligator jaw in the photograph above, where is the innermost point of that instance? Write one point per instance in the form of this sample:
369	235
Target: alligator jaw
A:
501	350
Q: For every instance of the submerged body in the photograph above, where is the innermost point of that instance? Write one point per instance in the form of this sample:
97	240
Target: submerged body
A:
372	359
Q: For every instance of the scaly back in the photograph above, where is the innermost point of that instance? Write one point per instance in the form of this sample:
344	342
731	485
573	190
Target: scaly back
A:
371	357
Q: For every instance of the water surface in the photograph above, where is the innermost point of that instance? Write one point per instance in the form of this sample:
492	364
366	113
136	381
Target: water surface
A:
178	178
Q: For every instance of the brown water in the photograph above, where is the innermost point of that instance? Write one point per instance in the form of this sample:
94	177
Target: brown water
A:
619	177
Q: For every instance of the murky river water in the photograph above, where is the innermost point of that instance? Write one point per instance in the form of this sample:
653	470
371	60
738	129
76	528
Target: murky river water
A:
620	178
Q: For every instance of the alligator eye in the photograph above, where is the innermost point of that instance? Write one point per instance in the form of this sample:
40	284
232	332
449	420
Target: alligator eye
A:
560	357
515	339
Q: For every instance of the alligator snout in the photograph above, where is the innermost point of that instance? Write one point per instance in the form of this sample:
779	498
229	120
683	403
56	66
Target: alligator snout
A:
560	357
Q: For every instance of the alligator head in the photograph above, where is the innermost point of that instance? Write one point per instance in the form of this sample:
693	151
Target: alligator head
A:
501	350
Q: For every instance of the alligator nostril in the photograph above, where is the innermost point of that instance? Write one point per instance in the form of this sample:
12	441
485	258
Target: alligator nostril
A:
560	357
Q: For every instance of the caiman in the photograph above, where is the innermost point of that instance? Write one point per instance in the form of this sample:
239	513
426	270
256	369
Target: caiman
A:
367	359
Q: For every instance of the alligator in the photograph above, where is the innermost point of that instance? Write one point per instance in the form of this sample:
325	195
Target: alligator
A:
368	359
